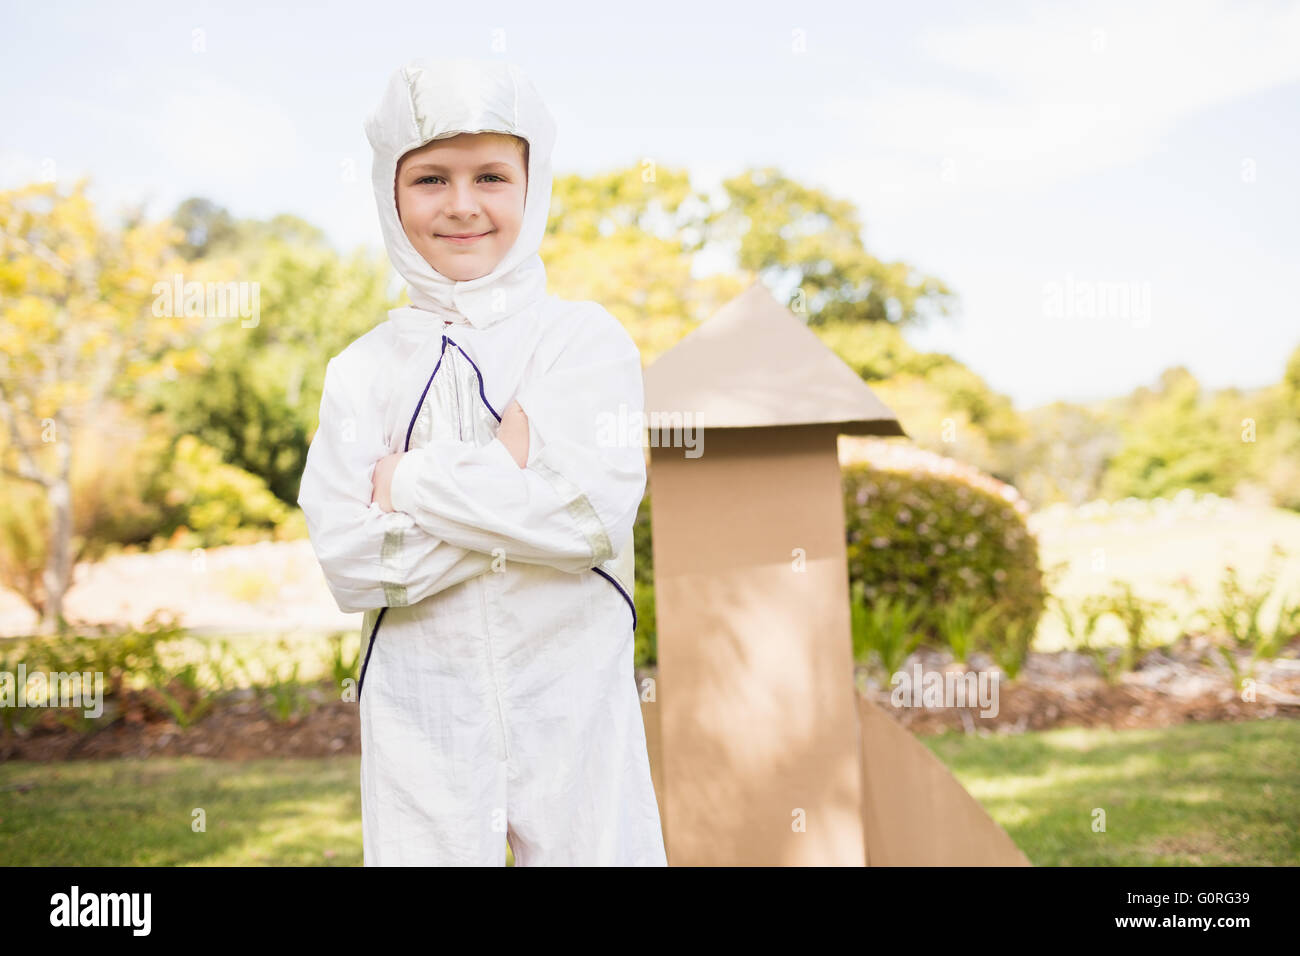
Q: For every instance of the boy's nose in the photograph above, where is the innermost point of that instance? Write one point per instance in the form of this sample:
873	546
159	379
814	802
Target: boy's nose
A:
462	202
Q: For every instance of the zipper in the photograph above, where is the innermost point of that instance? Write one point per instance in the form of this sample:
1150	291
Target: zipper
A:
460	422
374	633
479	581
455	383
492	673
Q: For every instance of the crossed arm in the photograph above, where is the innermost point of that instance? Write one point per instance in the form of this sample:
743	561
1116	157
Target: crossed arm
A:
551	488
512	431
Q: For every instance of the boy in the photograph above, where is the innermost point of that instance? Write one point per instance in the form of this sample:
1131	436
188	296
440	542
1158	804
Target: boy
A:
490	551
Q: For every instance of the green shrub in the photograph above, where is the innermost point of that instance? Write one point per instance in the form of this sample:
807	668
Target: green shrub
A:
1235	619
284	695
962	630
1011	643
647	649
126	658
136	485
24	540
181	693
944	545
122	656
219	503
343	666
955	561
1135	614
884	630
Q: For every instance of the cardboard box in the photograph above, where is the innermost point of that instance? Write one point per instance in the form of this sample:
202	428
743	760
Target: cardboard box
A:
762	751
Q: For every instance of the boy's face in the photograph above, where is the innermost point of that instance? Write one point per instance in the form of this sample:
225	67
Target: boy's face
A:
472	184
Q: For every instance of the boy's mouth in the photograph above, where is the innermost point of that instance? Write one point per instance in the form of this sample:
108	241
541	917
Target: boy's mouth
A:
463	239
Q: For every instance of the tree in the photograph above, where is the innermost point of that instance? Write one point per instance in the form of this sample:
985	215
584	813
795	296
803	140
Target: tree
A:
210	230
1173	438
207	228
77	319
791	233
632	238
625	239
1063	455
256	388
1291	384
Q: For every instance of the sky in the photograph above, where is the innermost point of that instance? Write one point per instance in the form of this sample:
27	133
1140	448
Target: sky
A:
1109	188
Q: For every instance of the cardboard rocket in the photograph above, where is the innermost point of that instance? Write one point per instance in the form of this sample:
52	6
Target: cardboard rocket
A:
762	751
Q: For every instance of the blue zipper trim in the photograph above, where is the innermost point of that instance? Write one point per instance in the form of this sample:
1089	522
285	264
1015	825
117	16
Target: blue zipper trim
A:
427	385
481	393
610	578
361	681
409	430
369	647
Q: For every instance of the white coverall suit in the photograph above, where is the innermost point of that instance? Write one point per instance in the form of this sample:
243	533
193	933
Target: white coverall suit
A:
497	693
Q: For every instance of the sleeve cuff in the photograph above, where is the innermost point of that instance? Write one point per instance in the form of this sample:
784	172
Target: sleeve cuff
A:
534	441
402	492
498	448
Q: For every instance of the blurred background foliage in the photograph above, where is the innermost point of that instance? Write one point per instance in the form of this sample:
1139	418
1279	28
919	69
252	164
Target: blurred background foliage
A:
193	430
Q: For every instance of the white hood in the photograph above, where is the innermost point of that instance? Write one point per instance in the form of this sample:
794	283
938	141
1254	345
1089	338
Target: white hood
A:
436	99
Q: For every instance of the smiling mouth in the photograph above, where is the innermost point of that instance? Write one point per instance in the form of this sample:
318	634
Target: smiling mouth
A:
463	240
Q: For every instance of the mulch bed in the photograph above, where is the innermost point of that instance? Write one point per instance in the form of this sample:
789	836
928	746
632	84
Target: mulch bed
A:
1174	685
1184	682
238	727
1026	708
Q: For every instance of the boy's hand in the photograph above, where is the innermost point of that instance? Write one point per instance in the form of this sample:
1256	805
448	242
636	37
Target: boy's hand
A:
381	484
513	432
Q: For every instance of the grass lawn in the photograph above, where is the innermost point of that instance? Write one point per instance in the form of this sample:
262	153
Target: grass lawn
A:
279	812
1199	794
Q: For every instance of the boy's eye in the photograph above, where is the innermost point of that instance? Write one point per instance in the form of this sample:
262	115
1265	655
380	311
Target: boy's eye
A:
424	179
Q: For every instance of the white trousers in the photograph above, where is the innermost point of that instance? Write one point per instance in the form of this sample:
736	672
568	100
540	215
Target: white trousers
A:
478	726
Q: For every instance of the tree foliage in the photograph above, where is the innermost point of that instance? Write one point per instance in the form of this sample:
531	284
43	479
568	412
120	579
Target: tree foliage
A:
798	236
77	321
